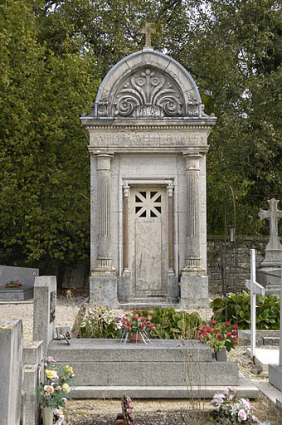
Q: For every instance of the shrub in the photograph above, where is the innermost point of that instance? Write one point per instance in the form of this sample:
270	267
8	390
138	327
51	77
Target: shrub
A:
101	322
268	310
171	324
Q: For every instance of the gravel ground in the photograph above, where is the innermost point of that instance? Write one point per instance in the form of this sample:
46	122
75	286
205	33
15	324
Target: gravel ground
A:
147	412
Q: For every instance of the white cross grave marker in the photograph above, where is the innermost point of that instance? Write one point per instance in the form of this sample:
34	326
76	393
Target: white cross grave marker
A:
255	289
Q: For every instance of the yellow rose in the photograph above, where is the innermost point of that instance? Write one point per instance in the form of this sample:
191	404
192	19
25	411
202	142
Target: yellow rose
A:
66	388
51	374
68	369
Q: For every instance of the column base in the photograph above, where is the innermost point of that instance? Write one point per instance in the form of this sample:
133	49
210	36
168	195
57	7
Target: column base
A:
194	288
124	287
173	288
103	287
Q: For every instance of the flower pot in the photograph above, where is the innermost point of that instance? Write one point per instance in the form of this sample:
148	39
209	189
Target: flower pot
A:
48	415
221	356
136	337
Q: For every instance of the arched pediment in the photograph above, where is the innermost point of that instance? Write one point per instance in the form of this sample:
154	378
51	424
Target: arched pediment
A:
148	84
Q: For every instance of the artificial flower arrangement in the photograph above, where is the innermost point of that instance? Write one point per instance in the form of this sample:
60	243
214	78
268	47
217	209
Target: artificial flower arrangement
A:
136	323
127	410
218	335
101	322
14	284
54	392
231	410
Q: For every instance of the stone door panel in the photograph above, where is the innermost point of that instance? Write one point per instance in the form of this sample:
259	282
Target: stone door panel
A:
148	240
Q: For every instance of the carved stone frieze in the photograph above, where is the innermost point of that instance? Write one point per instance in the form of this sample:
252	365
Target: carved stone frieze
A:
146	139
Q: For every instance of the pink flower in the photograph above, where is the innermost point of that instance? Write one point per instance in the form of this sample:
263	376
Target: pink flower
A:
135	317
219	336
255	419
229	334
216	330
143	325
213	322
205	334
198	332
150	317
235	327
228	323
152	326
208	329
242	415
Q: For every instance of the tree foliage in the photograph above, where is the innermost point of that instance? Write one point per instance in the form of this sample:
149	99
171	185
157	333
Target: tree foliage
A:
54	55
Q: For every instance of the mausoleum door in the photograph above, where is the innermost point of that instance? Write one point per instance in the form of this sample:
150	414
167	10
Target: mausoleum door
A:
148	234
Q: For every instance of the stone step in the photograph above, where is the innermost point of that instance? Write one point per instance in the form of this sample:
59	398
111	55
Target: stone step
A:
245	389
149	303
113	350
162	363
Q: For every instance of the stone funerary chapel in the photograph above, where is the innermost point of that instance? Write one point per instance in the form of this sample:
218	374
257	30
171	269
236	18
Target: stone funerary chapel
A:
148	143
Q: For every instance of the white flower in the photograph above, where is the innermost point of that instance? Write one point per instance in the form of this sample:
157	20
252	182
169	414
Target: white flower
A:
242	415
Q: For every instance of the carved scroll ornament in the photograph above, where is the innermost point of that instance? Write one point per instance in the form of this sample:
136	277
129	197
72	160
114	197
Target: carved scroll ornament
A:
148	93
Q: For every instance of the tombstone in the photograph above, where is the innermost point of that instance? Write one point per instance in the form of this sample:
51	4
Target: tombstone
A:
10	371
269	272
24	274
148	144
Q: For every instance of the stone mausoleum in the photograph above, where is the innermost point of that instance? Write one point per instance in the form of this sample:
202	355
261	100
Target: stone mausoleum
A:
148	143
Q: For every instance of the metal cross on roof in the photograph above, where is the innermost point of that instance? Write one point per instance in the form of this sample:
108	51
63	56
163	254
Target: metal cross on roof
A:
148	30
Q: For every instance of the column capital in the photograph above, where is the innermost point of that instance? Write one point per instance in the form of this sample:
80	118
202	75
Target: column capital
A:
192	153
169	190
126	191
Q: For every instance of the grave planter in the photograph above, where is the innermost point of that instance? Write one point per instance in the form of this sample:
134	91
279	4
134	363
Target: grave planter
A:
220	356
135	338
48	415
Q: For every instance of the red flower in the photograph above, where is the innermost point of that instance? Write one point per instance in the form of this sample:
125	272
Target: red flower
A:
197	332
135	317
228	323
235	327
219	336
229	334
235	340
234	333
216	330
208	329
205	334
213	322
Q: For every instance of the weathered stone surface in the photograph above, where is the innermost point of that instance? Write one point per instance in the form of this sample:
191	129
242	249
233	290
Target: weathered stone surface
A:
147	130
10	371
45	288
164	362
25	274
275	376
16	294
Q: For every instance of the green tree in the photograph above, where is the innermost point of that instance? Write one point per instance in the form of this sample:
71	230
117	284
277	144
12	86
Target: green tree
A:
44	171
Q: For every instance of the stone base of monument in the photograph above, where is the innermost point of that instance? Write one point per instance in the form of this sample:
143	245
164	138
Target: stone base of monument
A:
270	278
16	294
161	369
275	376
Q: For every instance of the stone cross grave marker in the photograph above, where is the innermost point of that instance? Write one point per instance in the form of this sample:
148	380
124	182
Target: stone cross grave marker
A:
255	289
148	30
273	214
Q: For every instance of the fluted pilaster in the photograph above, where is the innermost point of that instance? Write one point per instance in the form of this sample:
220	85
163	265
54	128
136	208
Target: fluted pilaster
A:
104	201
193	258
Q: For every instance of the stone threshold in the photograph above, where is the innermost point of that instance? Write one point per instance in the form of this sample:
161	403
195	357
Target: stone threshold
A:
145	303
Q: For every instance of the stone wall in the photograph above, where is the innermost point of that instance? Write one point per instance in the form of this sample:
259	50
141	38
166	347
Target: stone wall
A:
229	256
